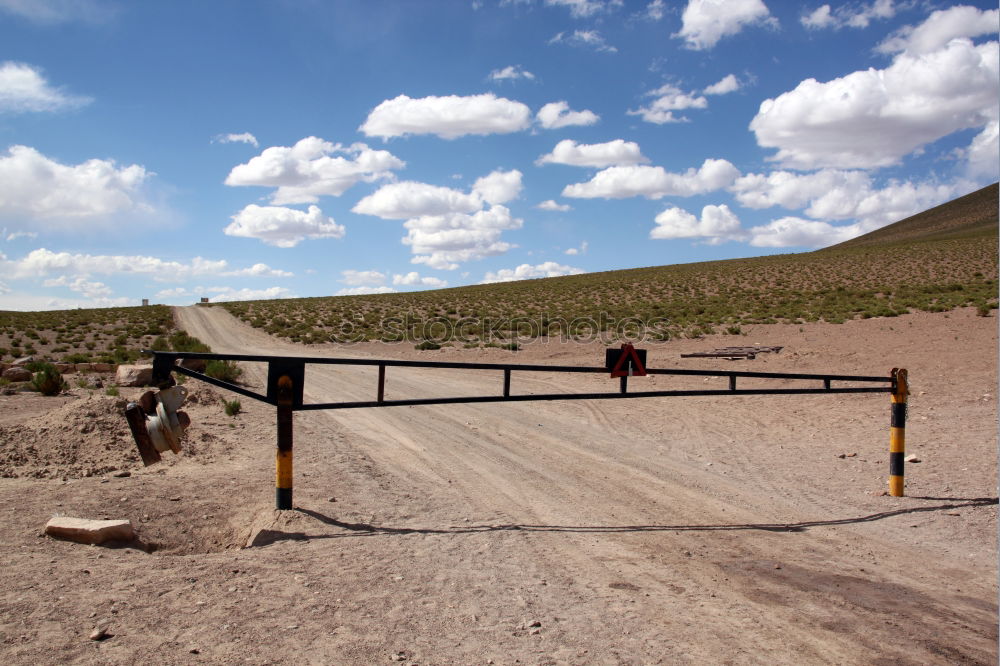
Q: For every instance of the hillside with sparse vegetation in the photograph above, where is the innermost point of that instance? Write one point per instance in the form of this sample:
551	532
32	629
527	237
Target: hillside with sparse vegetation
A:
937	261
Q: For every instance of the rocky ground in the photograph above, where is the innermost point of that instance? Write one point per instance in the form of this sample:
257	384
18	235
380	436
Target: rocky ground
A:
675	530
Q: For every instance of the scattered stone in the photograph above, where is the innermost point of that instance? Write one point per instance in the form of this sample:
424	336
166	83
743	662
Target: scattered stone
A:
99	634
535	632
852	455
911	459
122	474
104	367
536	623
17	374
332	499
777	566
952	513
24	360
134	375
83	530
842	455
399	656
194	651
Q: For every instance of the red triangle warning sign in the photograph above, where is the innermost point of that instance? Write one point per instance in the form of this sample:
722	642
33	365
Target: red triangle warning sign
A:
628	364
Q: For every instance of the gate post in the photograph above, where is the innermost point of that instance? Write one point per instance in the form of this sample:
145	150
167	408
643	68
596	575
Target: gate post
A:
897	432
283	462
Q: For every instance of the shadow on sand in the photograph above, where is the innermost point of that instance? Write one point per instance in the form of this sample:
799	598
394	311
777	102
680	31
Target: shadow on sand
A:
268	536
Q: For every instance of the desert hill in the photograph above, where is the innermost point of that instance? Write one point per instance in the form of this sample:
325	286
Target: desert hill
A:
974	214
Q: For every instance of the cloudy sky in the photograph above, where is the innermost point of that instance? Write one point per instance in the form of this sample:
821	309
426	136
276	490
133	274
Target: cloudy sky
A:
238	149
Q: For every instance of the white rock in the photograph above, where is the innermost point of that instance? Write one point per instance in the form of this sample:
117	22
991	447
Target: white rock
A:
134	375
17	374
83	530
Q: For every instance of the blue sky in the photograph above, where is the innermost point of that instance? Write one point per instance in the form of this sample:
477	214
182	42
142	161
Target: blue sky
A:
249	149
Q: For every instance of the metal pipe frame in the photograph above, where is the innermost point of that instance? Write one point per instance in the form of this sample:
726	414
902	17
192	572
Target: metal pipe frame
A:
165	362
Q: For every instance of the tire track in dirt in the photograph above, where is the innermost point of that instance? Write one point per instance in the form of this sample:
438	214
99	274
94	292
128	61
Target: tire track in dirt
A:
654	551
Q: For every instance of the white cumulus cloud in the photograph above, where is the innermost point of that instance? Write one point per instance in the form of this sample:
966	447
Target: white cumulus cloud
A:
619	182
612	153
874	118
414	278
447	117
669	98
223	294
59	11
88	288
499	186
940	28
705	22
551	204
529	272
656	10
796	232
313	168
43	262
586	8
511	73
444	241
557	114
365	291
848	16
283	227
399	201
357	278
716	225
589	39
723	86
59	196
244	137
445	226
833	194
24	89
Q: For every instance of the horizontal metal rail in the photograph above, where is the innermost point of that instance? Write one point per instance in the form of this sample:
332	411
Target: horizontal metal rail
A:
165	362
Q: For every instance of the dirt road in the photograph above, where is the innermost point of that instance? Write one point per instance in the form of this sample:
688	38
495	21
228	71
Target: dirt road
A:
671	531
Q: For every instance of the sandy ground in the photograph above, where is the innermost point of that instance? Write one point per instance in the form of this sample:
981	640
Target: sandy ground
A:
671	530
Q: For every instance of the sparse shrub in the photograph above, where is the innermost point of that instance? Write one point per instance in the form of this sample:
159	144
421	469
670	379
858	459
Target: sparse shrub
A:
233	407
983	310
427	345
734	330
160	344
112	391
48	380
227	371
182	342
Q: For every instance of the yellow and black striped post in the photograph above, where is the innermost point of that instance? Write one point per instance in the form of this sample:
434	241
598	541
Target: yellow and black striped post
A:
283	466
897	432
